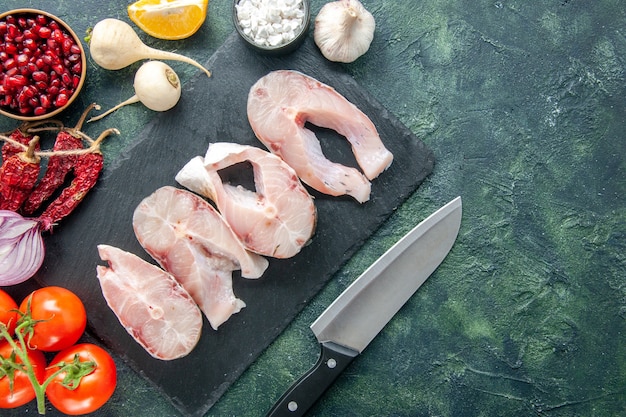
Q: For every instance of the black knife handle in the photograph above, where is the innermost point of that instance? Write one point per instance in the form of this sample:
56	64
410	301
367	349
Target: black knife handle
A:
297	400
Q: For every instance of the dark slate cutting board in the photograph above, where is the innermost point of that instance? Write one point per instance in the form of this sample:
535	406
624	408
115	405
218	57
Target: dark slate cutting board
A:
215	110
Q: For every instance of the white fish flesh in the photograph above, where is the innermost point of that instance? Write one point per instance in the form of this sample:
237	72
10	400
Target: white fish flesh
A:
153	308
190	240
275	219
279	105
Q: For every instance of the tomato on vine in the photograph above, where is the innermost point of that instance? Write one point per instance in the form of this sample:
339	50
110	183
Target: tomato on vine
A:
58	317
8	311
16	388
83	378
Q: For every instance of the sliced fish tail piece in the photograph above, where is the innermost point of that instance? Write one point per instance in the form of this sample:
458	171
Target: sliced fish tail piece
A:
153	308
279	106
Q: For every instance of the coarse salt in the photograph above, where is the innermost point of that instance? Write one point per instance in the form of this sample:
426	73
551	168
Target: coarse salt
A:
270	22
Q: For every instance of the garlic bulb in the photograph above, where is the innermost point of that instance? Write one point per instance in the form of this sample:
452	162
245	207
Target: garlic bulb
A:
343	30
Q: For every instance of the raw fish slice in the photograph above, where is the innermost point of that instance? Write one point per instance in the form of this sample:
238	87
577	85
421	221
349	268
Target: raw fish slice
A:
276	219
190	239
153	308
279	105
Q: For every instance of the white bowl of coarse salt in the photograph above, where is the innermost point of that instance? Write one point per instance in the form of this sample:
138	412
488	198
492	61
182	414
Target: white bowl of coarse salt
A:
272	26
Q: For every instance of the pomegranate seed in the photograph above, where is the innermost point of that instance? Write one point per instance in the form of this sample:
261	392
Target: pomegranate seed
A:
40	76
41	85
39	111
41	19
9	63
30	44
11	72
22	59
44	32
16	81
66	78
21	22
77	68
58	68
10	48
31	67
61	100
33	102
3	27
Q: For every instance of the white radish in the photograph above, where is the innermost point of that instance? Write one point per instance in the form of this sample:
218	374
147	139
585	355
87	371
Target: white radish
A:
114	45
156	85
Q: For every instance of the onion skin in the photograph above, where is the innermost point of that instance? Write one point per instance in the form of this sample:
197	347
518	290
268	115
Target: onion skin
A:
21	248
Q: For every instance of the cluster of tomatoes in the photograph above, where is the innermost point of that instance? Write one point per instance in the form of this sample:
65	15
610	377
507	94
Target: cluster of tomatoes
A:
80	377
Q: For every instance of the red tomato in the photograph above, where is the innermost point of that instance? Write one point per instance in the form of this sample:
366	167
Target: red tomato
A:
23	391
7	316
63	318
94	389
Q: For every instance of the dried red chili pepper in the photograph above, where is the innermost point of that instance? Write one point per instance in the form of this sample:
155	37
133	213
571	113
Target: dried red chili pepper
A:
19	135
86	172
59	166
18	176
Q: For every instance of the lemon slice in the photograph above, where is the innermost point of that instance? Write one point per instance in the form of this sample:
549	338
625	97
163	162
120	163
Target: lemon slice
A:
168	19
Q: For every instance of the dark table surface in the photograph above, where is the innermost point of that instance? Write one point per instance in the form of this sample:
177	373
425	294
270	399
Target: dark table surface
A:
524	105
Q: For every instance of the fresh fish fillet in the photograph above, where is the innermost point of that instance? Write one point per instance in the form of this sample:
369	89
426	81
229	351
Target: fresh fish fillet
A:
153	308
279	105
276	219
190	240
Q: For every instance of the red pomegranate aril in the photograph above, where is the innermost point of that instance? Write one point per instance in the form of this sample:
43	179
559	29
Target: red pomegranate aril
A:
16	81
25	109
11	72
45	101
75	81
10	48
53	90
58	68
41	19
22	59
39	76
3	27
21	22
32	67
61	100
77	68
9	63
66	78
12	31
30	44
33	102
41	85
44	32
39	111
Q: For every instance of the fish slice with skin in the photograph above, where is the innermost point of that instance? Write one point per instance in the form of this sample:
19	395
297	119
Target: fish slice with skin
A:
279	105
191	240
276	219
153	308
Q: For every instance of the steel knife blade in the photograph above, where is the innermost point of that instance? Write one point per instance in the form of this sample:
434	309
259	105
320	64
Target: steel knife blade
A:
352	321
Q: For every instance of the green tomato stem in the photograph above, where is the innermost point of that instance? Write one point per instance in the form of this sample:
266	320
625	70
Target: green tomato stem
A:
21	350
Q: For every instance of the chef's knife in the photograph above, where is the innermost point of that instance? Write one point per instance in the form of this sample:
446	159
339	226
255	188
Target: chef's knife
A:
350	323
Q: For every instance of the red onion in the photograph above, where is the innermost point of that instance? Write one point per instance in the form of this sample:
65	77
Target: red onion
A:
21	248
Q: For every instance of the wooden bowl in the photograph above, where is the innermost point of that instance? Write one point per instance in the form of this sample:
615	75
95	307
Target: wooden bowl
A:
41	45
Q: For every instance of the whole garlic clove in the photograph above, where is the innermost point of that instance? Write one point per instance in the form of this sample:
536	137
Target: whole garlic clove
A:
344	30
